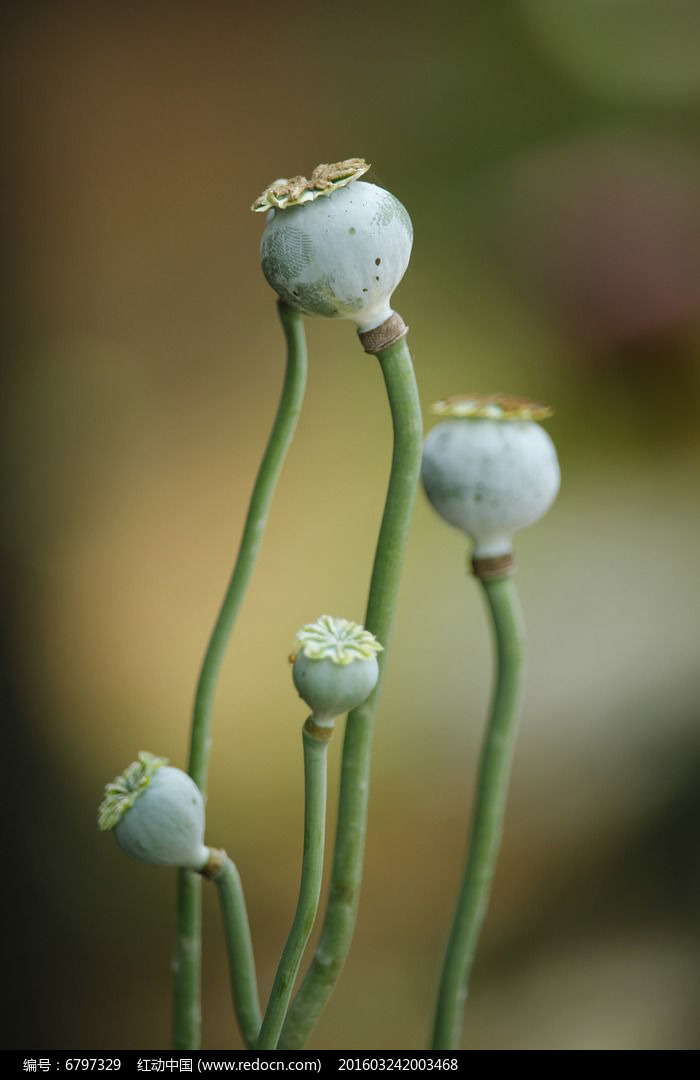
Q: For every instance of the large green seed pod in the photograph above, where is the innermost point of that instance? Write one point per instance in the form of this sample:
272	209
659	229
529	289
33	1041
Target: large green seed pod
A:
338	256
335	669
490	469
157	813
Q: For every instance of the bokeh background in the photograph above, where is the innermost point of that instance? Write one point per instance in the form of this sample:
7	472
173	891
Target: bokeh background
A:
549	155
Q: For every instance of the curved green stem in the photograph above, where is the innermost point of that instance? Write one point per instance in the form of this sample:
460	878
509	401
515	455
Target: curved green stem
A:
187	959
348	857
489	811
273	459
315	747
244	983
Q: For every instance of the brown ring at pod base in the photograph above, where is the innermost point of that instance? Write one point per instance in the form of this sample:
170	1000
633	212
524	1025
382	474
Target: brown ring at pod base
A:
322	732
495	566
214	864
384	335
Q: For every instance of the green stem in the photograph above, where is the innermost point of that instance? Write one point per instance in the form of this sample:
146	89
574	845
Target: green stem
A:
489	811
315	746
187	960
348	857
244	983
273	459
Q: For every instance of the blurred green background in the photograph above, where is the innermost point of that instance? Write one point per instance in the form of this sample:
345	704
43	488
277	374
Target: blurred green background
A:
549	155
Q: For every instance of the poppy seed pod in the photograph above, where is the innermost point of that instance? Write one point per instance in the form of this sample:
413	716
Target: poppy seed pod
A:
335	668
490	468
157	813
338	256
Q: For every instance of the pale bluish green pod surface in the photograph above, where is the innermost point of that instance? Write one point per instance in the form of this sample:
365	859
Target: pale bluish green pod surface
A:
164	825
490	477
330	690
341	256
336	668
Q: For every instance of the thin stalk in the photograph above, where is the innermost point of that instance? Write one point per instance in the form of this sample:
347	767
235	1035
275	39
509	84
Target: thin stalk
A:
187	1013
273	459
244	983
315	755
351	827
188	960
489	810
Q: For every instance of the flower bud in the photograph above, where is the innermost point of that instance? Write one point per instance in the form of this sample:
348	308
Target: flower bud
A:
490	469
335	668
341	256
157	813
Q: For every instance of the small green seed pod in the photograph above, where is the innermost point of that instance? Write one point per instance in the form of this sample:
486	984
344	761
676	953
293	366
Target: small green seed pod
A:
338	257
335	668
157	813
490	469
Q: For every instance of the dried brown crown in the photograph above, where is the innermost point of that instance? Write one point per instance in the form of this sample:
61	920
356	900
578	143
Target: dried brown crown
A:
294	190
492	406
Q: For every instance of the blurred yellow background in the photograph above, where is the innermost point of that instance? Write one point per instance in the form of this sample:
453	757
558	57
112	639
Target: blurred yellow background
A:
549	156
